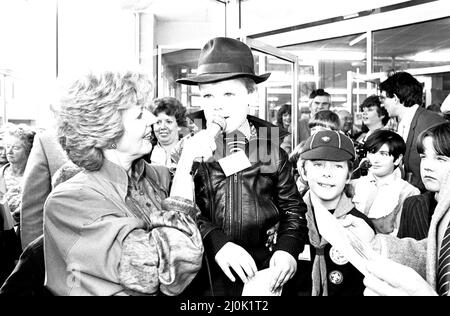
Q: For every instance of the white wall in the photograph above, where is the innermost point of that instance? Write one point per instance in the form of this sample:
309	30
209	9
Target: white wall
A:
95	33
92	34
27	33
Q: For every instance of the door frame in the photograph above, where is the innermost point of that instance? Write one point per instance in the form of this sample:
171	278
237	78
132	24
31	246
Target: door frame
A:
291	58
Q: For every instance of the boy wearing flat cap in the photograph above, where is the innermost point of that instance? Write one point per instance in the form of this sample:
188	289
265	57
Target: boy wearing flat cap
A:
327	166
239	206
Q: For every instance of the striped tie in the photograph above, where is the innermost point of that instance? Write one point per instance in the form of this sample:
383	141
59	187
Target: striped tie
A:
444	265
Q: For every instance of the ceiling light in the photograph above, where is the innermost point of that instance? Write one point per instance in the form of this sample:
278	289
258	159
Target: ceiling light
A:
430	56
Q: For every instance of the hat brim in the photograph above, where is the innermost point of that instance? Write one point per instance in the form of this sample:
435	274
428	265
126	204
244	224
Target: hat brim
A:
216	77
326	153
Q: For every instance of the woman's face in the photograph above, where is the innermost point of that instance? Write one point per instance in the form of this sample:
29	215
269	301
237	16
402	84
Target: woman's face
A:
15	150
166	129
433	167
370	116
137	137
382	162
286	119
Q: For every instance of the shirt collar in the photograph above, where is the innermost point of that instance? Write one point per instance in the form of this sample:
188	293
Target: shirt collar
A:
138	169
245	129
394	176
116	175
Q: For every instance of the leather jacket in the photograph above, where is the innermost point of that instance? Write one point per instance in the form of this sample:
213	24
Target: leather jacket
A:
242	207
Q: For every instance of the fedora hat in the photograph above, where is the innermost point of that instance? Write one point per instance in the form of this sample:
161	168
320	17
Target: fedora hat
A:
224	58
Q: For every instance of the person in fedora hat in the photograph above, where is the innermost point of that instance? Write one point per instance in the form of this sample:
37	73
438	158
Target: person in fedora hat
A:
327	165
238	208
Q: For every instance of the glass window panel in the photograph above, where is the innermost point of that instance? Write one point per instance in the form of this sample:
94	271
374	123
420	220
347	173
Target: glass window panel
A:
423	47
177	64
412	46
277	90
324	64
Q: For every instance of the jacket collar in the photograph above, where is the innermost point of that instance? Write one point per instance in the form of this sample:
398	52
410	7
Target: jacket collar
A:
116	175
412	127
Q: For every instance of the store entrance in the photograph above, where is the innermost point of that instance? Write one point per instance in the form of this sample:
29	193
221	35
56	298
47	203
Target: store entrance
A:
280	90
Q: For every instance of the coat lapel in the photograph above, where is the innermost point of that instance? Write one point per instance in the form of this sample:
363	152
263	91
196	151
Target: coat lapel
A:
410	140
432	244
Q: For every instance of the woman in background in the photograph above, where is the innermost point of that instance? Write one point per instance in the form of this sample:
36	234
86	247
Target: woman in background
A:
284	117
18	140
171	123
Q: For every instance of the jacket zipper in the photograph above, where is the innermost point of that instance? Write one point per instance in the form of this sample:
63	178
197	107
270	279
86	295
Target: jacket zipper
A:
236	200
209	190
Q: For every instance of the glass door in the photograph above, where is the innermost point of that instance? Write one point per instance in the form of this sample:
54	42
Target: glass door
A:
280	90
175	63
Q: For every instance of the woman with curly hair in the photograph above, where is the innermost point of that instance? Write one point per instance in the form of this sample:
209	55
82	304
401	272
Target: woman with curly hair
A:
171	123
284	116
284	122
18	140
115	228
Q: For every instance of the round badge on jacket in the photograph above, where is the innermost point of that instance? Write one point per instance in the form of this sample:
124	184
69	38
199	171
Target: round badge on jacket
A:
337	257
336	277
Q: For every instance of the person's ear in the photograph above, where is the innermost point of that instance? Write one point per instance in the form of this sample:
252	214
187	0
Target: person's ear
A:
398	162
396	98
302	171
252	99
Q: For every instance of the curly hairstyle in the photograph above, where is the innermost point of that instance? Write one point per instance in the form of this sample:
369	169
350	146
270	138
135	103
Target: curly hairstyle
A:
285	108
90	115
374	101
172	107
23	132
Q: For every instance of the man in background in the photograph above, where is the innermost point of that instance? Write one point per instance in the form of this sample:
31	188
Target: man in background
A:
402	96
319	100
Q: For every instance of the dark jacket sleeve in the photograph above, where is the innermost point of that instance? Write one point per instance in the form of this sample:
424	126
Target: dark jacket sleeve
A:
293	230
28	277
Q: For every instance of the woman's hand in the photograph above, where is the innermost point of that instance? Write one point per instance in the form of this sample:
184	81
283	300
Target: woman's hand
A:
201	145
388	278
284	267
236	257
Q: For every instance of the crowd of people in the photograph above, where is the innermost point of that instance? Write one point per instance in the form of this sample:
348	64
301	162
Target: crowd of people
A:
125	195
